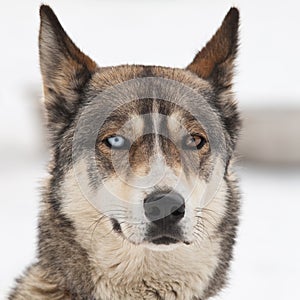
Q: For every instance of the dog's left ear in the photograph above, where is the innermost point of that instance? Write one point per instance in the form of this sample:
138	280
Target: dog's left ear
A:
215	61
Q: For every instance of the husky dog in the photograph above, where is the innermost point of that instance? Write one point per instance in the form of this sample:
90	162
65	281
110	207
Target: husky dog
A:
141	200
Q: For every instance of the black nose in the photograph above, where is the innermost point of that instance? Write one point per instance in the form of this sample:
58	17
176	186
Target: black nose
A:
164	208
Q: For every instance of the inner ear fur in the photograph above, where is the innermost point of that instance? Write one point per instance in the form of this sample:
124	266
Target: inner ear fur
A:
215	61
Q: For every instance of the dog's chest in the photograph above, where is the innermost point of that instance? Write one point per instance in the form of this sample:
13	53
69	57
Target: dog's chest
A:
179	274
153	290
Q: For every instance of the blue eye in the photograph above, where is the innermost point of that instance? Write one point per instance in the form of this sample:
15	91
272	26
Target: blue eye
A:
117	142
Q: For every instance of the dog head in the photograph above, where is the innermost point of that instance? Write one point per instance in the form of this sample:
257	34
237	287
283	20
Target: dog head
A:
140	151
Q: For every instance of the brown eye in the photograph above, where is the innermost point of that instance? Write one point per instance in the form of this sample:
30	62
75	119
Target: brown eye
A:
193	142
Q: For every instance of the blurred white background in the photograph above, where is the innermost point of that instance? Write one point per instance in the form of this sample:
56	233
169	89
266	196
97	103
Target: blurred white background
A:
267	260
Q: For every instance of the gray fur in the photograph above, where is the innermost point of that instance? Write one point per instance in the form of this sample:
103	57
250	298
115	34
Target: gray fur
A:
84	254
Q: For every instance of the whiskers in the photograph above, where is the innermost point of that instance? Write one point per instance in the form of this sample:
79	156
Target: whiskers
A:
104	218
206	225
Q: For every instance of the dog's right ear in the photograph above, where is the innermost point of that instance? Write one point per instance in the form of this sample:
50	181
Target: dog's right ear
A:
65	71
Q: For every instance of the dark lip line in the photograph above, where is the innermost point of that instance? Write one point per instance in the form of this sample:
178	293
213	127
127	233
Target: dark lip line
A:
166	235
117	228
164	240
170	237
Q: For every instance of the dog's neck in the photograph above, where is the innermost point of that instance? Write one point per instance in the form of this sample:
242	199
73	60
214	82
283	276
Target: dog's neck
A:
134	268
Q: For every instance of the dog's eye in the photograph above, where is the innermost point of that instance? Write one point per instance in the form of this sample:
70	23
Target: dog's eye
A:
117	142
193	142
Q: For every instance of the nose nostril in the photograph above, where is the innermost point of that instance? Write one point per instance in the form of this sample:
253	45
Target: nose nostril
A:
164	208
178	211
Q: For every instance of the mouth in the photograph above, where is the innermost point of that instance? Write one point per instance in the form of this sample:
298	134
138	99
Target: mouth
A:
164	240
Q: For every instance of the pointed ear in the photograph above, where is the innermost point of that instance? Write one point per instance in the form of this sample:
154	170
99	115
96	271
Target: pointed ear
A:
64	67
215	62
65	70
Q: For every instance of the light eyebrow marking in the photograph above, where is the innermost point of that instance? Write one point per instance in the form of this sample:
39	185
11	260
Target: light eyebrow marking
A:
155	121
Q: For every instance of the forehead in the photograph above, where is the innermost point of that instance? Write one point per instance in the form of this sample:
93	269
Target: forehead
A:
139	90
147	116
112	76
